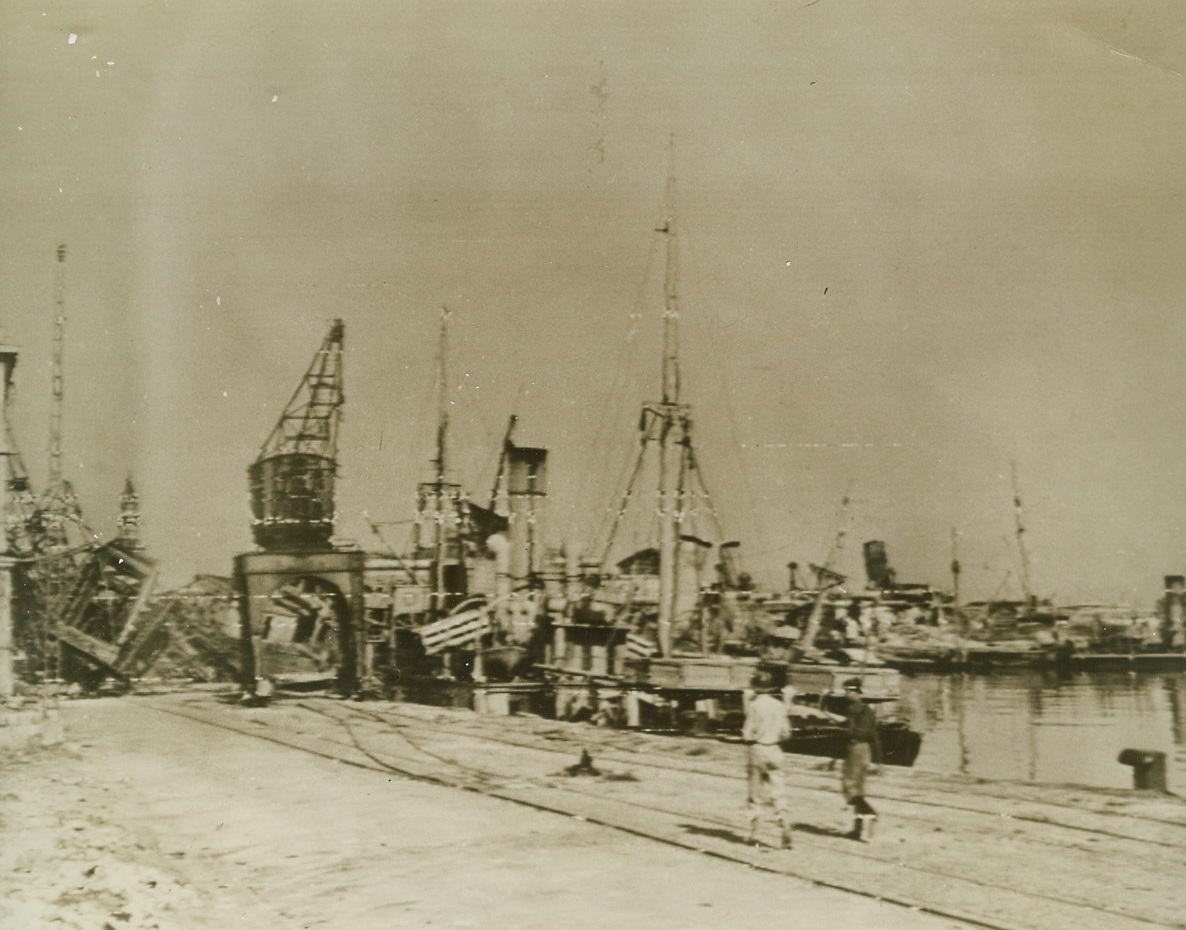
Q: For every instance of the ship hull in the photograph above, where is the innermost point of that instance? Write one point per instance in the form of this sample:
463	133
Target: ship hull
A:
899	744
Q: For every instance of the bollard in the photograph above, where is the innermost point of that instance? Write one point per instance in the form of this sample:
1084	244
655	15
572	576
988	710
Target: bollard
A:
1148	768
633	713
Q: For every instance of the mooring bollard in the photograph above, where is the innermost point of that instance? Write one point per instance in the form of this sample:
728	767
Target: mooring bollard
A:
1148	768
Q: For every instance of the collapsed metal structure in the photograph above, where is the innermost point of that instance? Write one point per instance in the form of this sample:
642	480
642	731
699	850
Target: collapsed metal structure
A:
77	605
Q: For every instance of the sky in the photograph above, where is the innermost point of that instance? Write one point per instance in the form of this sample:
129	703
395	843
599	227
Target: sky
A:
918	242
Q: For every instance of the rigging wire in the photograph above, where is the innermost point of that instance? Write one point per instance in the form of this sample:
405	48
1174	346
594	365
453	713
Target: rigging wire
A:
731	417
694	467
627	494
597	528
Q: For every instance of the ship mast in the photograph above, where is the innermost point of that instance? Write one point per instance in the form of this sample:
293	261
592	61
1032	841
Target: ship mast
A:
826	578
438	571
955	569
672	435
668	423
1025	561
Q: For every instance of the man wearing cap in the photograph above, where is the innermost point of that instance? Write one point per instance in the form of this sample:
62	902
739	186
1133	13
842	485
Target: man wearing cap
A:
863	749
766	726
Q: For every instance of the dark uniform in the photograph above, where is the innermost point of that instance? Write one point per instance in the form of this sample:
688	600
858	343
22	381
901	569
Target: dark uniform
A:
862	750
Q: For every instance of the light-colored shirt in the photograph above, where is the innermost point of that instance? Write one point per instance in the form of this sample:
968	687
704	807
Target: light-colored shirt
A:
766	721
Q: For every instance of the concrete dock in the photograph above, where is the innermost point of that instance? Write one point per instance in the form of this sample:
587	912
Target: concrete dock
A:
336	813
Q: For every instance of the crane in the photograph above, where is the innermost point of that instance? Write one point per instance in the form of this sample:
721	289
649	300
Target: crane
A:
57	517
292	478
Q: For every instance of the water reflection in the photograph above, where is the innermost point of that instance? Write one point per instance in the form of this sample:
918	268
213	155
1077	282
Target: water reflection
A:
1040	726
1173	693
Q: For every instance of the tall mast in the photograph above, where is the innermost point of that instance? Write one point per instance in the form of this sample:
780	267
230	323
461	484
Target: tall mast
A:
672	438
498	494
54	479
825	580
1025	561
671	368
955	569
438	601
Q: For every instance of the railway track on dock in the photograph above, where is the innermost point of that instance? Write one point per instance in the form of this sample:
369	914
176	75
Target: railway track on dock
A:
1042	812
970	858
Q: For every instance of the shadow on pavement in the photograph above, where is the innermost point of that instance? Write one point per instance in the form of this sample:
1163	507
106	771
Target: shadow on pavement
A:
823	831
716	833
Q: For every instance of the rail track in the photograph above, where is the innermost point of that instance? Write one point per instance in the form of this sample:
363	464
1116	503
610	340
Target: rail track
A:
827	785
695	805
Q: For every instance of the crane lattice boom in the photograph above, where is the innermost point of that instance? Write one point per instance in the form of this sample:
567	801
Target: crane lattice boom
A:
292	479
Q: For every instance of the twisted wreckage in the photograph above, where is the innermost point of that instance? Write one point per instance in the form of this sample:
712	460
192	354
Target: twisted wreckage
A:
76	608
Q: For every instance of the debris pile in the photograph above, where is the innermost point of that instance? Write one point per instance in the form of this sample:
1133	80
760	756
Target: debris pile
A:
201	621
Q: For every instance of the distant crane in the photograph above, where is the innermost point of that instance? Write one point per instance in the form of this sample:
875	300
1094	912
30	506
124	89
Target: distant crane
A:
57	508
57	539
59	333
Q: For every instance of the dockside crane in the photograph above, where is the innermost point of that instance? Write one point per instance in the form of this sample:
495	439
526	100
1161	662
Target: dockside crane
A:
292	478
59	541
58	512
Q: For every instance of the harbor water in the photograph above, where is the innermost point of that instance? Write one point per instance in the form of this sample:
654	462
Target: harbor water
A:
1039	726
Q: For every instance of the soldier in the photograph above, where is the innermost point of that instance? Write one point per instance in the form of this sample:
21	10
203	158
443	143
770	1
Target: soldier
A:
863	750
766	726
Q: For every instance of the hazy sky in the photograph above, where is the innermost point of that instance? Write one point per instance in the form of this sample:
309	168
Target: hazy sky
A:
918	240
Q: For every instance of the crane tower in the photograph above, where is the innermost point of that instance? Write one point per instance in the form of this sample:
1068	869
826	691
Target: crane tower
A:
301	601
58	514
292	479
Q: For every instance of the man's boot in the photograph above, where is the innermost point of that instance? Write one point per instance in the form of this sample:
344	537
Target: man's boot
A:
786	834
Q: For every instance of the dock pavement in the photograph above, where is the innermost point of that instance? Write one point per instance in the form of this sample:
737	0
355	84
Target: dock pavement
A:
315	811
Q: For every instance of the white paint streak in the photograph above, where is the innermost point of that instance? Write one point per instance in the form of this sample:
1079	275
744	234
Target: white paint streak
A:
73	38
1152	64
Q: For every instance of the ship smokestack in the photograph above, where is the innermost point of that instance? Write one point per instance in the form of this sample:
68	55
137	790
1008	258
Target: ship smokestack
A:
1172	632
877	567
8	357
